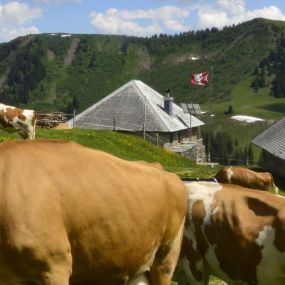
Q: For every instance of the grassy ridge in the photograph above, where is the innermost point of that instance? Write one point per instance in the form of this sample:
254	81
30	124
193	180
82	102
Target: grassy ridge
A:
125	146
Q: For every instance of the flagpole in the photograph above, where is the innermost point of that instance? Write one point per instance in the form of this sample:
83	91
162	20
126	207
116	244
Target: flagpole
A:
144	123
211	89
210	109
190	127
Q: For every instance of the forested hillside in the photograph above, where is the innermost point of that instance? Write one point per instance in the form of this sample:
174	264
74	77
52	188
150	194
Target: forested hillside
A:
53	72
271	71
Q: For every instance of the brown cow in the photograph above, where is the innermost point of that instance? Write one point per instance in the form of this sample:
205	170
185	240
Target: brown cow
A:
153	164
234	233
74	215
18	120
246	178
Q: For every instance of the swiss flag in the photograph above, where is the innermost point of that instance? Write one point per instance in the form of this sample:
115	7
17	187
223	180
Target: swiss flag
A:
199	78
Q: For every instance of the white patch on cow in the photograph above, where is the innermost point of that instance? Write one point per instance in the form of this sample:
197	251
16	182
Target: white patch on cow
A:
205	192
5	107
202	191
275	188
215	211
230	174
272	261
267	234
28	113
140	280
5	119
184	265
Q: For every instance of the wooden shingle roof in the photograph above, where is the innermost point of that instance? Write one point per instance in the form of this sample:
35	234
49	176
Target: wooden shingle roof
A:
273	139
132	105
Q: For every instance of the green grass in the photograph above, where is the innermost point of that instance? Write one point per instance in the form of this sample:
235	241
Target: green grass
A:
243	132
124	146
213	281
246	101
216	281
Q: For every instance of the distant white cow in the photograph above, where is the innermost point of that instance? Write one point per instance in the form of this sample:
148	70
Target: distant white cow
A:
18	120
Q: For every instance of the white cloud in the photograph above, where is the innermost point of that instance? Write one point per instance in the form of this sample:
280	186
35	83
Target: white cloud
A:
171	19
271	12
11	33
228	12
232	6
14	16
209	17
140	22
18	13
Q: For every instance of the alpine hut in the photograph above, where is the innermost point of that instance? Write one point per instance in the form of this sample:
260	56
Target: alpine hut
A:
137	108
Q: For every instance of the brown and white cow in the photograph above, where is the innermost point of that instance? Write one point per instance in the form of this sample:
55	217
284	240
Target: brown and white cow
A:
18	120
74	215
234	233
246	178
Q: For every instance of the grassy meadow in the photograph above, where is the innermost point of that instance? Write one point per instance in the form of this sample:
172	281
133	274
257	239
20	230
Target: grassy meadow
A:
246	101
125	146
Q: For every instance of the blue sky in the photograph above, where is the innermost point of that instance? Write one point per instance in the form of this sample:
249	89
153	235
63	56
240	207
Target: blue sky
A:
128	17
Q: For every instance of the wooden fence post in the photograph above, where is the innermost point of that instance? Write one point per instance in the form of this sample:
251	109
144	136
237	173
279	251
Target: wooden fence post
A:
114	124
73	120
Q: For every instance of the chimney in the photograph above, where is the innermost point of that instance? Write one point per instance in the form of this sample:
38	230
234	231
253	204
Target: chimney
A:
168	103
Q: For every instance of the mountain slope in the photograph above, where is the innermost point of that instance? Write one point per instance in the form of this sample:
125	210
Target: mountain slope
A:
62	72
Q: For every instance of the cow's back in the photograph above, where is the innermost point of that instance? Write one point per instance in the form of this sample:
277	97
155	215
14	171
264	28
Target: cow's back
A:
246	178
106	216
234	233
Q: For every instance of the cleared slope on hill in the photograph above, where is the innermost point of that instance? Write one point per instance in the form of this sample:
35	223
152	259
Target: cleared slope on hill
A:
34	73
